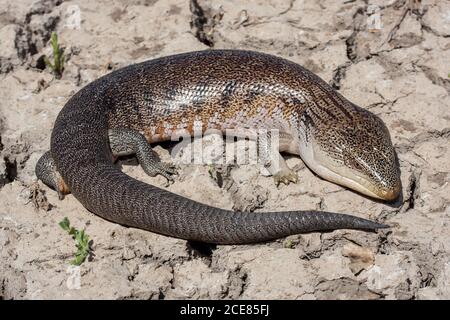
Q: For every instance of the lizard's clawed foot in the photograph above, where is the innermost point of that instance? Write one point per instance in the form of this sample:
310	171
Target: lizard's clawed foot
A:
285	176
164	169
125	141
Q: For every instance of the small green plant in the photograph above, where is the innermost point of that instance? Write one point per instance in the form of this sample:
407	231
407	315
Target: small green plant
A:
288	244
211	170
81	239
57	66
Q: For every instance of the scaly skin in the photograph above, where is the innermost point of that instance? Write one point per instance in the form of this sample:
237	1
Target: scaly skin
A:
220	89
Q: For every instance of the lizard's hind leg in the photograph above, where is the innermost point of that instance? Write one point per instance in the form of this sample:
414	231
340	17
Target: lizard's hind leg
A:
127	141
46	171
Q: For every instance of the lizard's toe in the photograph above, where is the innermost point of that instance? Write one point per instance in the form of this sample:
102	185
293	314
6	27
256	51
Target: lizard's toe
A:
166	170
285	176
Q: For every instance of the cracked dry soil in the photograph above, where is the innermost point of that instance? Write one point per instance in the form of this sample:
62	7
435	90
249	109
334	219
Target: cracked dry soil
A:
397	68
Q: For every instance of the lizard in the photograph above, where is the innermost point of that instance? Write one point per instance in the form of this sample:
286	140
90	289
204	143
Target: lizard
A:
127	110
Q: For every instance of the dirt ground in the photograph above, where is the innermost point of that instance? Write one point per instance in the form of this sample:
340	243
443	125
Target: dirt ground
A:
391	57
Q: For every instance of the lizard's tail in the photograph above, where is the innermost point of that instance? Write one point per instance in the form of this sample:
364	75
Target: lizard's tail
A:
81	152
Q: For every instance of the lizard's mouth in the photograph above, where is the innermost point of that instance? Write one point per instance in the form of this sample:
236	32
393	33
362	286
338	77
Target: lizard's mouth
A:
357	182
334	171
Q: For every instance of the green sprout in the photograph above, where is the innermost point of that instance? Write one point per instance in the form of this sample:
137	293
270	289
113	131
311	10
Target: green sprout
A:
81	239
211	170
57	66
288	244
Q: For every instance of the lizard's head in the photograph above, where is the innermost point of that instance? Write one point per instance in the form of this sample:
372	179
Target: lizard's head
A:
356	152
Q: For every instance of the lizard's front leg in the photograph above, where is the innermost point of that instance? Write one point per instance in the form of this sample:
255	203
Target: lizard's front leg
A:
272	160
